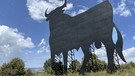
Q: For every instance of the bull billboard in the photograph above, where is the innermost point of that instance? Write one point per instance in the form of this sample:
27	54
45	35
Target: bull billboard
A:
92	26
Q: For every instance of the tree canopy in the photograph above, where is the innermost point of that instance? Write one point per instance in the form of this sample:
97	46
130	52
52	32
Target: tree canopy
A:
14	68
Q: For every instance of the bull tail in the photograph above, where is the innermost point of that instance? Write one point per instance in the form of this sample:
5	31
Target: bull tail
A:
119	45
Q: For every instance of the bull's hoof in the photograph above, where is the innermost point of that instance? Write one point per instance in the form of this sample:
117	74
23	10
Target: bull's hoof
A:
81	73
65	73
110	71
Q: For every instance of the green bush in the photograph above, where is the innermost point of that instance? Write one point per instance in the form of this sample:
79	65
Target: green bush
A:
95	65
14	68
17	67
74	66
57	69
128	66
5	70
47	66
28	73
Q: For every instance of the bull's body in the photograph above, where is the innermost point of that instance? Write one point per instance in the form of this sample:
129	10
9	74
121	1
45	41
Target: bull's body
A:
69	32
94	25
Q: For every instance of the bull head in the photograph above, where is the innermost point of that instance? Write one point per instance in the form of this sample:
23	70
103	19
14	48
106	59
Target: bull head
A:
57	11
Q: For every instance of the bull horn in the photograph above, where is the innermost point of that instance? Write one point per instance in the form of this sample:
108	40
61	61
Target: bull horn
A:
46	15
64	5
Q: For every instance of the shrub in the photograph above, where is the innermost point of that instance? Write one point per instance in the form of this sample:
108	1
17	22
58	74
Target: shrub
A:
57	69
74	66
17	67
128	66
5	70
28	73
14	68
47	66
95	64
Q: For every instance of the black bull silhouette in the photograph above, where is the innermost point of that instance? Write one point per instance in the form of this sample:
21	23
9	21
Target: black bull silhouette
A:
94	25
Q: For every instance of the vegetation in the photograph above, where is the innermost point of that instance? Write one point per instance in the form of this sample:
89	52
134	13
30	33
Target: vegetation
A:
57	69
95	65
74	66
28	73
14	68
130	65
47	66
120	72
125	70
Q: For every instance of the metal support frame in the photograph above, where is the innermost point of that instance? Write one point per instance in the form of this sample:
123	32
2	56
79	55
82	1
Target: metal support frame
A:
116	59
71	57
58	58
92	52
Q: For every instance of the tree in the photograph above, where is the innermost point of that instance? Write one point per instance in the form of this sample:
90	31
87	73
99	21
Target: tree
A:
75	66
28	73
17	66
5	70
56	69
47	66
14	68
95	64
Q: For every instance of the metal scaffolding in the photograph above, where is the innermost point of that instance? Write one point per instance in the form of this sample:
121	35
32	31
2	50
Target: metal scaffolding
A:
116	59
71	57
92	52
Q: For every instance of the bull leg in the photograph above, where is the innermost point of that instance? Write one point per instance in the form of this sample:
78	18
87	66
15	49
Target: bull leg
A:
87	55
110	52
65	62
52	60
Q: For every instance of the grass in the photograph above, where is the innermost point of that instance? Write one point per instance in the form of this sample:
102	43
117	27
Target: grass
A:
121	72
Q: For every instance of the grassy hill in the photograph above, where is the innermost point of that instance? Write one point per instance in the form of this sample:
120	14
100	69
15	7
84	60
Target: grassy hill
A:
125	70
120	72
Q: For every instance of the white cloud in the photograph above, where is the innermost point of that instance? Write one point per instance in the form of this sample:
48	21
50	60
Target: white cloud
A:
129	54
101	53
134	6
12	43
126	13
43	42
43	46
99	1
37	7
123	34
133	37
82	9
122	9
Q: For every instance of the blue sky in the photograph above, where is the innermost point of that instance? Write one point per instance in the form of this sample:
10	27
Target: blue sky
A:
24	32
